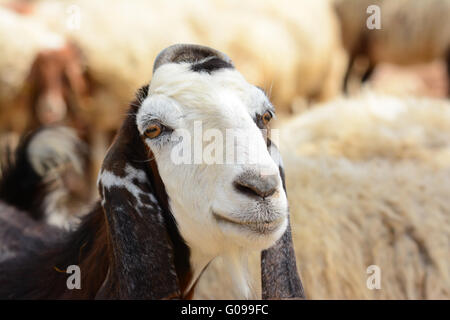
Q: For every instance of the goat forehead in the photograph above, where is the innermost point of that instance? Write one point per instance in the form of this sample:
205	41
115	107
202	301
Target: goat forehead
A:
224	93
225	110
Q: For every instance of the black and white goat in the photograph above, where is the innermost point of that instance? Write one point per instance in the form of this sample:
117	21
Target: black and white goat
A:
160	223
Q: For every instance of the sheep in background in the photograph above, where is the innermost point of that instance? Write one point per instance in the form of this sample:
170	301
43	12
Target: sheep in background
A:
280	49
369	184
43	176
44	81
291	49
21	40
119	55
412	31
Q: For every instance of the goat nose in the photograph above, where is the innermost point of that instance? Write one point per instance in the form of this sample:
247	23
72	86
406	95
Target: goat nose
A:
254	184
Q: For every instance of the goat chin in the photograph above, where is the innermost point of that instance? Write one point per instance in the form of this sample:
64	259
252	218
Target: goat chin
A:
233	253
236	265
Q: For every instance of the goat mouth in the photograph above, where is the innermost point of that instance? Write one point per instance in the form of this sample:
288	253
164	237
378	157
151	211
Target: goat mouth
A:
257	226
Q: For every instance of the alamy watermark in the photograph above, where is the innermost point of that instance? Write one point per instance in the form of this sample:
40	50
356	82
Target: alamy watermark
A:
229	146
374	280
73	21
374	20
74	280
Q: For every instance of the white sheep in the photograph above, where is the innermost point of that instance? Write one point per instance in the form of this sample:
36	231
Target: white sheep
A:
412	31
290	49
21	39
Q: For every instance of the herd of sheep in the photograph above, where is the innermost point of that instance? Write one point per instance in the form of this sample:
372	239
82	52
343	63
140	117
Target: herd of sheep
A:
368	174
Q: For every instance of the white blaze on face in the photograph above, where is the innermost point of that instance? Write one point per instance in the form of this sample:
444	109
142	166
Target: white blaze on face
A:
217	105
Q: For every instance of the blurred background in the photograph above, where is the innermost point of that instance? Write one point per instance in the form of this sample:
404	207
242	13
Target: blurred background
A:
361	90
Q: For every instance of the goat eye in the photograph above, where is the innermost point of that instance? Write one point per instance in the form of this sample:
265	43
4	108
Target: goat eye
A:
153	131
267	116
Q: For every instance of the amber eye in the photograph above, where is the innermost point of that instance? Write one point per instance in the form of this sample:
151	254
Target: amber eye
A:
267	116
153	131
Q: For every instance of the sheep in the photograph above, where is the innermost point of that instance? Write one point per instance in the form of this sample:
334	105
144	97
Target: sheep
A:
425	23
279	50
42	79
368	180
23	41
160	222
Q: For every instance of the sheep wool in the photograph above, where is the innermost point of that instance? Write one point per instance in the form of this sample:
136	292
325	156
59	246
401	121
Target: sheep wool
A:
280	50
412	31
21	38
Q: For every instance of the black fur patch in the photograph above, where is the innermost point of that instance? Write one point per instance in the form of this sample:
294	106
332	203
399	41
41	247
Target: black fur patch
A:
20	185
34	274
192	54
211	65
142	93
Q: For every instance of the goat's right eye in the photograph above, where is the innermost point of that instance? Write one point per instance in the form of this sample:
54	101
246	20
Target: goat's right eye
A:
153	131
267	116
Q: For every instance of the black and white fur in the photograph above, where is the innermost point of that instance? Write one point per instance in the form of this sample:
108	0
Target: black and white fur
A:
32	174
33	201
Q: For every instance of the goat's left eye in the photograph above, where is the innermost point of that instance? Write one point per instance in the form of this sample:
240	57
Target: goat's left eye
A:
266	117
153	130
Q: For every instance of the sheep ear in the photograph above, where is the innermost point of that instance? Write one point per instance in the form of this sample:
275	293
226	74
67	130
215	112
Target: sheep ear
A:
142	260
192	54
279	273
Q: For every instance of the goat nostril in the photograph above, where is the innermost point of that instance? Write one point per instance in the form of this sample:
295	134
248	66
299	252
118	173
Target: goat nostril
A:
256	186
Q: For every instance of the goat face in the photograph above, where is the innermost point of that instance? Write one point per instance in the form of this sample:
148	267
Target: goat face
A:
158	183
206	127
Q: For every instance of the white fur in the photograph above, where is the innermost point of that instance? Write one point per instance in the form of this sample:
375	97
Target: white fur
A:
109	179
222	100
55	147
57	212
51	151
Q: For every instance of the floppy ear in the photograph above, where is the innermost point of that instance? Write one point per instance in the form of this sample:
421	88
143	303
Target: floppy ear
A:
142	231
142	259
279	274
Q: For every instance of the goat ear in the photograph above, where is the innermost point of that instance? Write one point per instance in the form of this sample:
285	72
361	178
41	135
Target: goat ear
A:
279	274
189	53
142	261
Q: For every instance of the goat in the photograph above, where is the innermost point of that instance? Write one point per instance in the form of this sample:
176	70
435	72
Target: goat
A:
33	190
159	223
